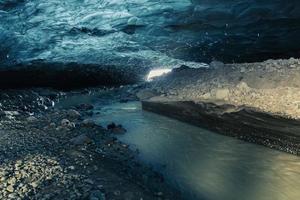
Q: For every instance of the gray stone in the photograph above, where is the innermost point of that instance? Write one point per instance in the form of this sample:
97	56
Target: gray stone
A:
31	119
97	195
10	188
74	114
88	123
216	65
65	123
81	139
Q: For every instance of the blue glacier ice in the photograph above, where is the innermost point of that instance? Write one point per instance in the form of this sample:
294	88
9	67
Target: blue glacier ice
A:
147	33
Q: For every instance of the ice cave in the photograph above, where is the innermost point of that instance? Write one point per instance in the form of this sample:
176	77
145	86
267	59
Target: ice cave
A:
150	99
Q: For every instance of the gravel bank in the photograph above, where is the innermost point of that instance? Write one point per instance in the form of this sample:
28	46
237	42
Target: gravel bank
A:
48	152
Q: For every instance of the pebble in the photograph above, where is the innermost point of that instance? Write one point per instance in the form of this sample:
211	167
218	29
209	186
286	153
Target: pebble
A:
65	123
31	119
10	188
34	184
97	195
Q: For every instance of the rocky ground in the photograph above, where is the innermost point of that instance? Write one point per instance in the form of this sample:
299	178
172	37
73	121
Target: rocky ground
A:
50	152
271	86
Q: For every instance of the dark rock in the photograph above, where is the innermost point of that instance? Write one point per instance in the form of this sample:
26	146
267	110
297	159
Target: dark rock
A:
85	106
88	123
74	114
97	195
81	139
111	126
116	129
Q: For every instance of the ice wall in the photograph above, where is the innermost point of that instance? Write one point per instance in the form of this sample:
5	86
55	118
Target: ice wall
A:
148	33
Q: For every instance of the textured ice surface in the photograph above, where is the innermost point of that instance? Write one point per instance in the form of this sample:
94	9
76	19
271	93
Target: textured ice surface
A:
147	33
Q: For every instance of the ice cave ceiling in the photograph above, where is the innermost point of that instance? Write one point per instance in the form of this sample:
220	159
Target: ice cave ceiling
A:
148	33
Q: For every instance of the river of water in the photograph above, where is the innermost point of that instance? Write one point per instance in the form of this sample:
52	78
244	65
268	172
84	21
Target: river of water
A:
203	164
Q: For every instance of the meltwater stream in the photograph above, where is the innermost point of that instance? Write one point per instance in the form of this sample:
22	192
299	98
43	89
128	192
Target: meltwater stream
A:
203	164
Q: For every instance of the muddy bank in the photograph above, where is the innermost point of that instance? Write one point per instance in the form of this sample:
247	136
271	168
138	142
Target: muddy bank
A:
240	122
256	102
50	152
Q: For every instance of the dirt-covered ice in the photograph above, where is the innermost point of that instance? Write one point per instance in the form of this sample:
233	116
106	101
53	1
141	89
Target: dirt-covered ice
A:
271	86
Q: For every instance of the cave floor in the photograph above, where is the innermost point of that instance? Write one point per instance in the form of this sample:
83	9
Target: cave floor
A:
56	152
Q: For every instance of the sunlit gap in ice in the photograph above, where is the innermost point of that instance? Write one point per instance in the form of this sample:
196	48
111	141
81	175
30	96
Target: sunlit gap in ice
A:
157	72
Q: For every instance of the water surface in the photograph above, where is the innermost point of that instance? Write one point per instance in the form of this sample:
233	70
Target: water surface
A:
203	164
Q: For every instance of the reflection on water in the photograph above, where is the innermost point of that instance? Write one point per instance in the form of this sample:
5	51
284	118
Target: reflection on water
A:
205	165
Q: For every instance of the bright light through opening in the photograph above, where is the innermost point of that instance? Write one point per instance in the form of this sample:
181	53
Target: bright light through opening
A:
157	72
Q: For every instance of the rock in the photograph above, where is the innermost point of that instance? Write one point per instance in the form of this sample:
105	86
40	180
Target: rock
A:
65	123
206	96
89	113
111	126
159	194
243	69
88	123
97	195
116	129
117	193
124	100
12	181
146	94
216	65
81	139
10	188
34	184
129	195
89	181
222	94
11	113
31	119
74	114
243	87
2	113
52	125
85	106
